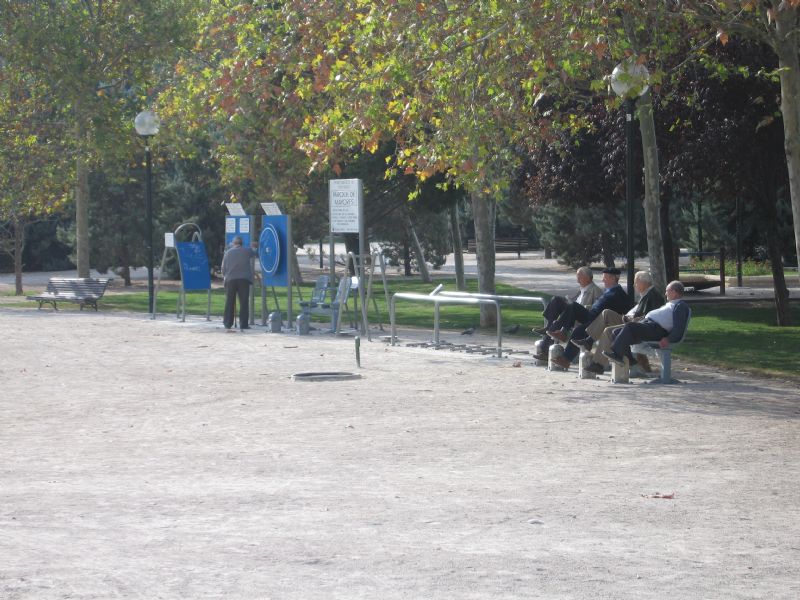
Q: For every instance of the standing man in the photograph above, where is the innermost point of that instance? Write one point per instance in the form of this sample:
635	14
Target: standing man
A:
237	273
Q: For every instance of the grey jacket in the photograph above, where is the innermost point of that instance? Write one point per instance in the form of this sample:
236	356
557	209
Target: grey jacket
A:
236	263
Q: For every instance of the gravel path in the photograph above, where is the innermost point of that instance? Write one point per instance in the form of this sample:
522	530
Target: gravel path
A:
159	459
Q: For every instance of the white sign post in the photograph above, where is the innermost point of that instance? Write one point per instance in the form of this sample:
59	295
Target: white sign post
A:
345	201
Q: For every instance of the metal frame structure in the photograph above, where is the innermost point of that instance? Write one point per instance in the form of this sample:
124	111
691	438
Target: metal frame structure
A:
196	236
364	295
438	300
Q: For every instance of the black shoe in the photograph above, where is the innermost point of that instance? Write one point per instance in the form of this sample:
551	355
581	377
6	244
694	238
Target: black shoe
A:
543	357
586	343
613	357
596	368
540	331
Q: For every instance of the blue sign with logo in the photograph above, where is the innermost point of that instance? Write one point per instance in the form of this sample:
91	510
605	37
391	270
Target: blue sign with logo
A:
193	261
273	250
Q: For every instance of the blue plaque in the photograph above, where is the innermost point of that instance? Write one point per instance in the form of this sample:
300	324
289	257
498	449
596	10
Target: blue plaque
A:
193	262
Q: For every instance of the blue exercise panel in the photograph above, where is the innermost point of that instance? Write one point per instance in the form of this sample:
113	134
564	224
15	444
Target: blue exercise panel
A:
273	250
269	247
193	260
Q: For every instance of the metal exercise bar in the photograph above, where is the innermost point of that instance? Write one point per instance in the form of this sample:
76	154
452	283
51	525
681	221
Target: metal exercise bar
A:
494	297
439	300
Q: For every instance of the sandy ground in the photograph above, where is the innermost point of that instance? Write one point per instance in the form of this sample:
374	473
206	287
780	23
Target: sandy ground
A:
159	459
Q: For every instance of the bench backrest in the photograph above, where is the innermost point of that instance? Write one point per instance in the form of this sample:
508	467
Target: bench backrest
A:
87	287
343	291
320	289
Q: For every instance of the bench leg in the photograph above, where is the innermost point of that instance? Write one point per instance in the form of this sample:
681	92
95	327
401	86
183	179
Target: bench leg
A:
665	355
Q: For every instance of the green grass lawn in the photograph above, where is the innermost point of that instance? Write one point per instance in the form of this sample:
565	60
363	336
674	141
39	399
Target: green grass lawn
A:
724	335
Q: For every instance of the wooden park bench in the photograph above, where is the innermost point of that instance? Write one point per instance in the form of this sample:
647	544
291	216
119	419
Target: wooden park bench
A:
82	291
513	244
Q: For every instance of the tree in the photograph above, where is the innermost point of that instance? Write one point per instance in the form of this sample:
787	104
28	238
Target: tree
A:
31	162
732	111
90	54
774	23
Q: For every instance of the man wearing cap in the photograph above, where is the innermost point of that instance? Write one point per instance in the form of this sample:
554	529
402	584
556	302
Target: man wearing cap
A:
588	292
237	273
614	298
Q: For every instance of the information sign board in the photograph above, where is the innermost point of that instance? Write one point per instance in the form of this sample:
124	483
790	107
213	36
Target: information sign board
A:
344	197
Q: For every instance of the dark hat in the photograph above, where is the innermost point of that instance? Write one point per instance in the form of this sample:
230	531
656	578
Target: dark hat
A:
612	271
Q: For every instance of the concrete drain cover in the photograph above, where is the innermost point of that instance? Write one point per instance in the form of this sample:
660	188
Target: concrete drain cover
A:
325	376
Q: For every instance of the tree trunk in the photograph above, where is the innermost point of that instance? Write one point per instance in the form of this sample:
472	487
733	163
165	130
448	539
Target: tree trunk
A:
789	60
458	248
483	212
126	275
19	246
608	248
406	257
669	250
425	276
81	202
295	266
783	318
652	196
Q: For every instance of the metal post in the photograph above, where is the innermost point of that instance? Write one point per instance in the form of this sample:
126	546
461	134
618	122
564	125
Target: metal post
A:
149	200
738	242
630	107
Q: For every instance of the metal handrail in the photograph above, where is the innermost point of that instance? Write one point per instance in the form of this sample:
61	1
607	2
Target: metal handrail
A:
437	300
497	297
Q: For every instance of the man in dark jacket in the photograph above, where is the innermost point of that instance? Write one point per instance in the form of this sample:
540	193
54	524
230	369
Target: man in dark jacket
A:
614	298
600	332
237	272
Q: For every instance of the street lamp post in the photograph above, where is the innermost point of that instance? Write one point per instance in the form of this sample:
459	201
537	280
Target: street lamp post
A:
629	81
147	124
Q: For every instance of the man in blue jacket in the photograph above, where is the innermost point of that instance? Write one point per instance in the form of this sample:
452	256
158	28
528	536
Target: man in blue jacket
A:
614	298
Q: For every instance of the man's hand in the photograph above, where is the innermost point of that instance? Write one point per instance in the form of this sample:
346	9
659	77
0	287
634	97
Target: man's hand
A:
663	343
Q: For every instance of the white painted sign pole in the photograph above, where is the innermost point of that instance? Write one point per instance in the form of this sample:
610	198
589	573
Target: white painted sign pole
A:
346	204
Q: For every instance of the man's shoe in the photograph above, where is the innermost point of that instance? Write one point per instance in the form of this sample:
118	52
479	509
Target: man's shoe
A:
613	357
596	368
562	362
540	357
558	335
586	343
540	331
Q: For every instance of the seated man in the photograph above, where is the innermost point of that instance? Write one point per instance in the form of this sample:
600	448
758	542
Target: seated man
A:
614	298
655	327
602	328
588	293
